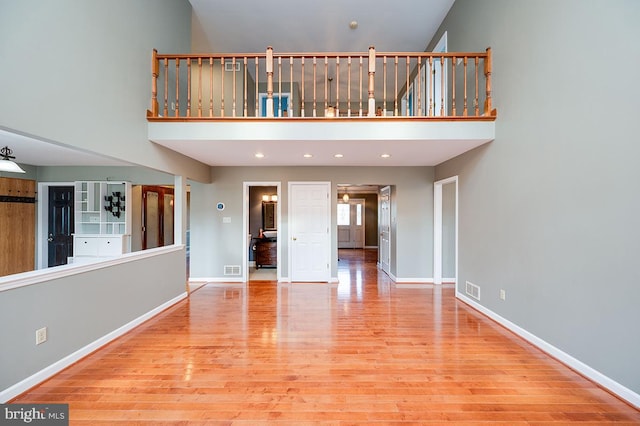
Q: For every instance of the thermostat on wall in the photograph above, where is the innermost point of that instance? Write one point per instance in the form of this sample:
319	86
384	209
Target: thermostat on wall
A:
220	206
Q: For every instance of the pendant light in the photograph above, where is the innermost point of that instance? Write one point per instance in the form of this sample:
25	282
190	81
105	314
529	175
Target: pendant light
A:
6	165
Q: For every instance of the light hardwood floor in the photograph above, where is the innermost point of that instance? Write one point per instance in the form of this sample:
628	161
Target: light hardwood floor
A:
360	352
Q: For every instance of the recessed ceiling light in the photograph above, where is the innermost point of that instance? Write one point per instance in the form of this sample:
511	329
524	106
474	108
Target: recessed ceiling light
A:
353	24
259	155
385	155
338	155
308	156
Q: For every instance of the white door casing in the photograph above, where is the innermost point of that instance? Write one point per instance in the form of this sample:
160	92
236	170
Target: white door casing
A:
438	229
309	232
385	229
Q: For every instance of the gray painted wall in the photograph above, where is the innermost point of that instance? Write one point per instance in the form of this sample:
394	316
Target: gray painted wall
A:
449	230
215	244
549	210
87	67
79	309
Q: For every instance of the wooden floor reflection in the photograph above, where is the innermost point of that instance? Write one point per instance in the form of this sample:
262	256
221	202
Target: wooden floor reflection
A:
362	351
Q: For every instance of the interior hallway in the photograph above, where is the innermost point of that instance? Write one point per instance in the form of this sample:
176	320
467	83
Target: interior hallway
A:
361	351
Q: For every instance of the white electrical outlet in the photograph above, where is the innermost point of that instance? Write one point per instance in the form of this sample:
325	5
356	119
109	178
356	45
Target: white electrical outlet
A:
41	335
503	295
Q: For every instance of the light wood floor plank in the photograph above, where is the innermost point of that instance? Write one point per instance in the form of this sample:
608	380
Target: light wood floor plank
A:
362	351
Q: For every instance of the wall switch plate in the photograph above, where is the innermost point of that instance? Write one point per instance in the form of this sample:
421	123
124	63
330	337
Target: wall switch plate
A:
503	295
41	335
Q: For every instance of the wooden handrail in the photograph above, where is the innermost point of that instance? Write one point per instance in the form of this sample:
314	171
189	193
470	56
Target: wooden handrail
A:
421	85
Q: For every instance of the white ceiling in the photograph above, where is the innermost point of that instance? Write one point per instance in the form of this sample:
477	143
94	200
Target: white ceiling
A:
292	26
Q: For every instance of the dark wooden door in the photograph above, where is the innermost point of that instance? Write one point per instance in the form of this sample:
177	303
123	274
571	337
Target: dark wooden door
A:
60	235
157	216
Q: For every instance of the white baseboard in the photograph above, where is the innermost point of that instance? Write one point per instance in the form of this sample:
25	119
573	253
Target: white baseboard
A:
42	375
616	388
413	280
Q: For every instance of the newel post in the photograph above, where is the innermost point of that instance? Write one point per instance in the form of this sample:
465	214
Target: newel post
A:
372	73
487	74
154	83
269	66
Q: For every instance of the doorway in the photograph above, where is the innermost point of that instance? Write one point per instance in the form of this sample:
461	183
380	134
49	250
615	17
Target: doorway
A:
385	229
157	216
60	225
351	226
261	211
445	231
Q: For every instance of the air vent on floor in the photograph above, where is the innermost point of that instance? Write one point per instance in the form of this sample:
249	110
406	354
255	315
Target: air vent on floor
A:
472	290
232	269
230	66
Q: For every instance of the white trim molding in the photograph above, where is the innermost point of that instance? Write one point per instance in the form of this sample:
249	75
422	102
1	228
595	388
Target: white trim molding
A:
611	385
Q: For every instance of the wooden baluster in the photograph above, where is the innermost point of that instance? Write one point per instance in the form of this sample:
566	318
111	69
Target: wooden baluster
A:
245	101
476	101
302	109
337	86
315	84
199	87
431	77
349	86
442	86
269	68
372	82
177	111
453	86
419	97
384	86
188	87
222	87
154	83
464	110
257	111
280	85
210	87
290	113
407	84
395	88
234	86
487	74
326	81
165	110
360	86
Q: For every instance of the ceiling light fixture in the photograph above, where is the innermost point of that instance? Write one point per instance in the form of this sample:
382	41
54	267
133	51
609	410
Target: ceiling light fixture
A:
307	155
338	155
259	155
385	155
6	165
345	197
353	24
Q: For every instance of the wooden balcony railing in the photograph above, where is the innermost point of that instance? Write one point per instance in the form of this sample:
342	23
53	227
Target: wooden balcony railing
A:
266	85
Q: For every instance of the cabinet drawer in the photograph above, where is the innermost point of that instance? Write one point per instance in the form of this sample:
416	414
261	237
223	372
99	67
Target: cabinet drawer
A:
85	246
110	246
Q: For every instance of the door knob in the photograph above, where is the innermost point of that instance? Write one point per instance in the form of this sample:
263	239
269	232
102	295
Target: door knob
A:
50	239
294	238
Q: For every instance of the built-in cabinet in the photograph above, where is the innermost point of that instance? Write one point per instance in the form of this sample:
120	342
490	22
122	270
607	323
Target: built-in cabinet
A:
102	220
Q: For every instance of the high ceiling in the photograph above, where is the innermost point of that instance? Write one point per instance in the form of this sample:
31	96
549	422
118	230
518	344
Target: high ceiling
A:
319	26
287	25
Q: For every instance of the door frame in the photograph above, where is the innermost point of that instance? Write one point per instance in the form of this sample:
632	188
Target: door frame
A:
353	202
387	269
42	222
330	225
437	229
245	227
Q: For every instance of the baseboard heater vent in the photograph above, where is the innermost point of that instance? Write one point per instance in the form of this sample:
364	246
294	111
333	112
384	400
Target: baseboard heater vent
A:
232	269
472	290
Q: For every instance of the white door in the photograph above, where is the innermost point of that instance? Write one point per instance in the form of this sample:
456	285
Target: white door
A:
310	210
385	229
351	224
